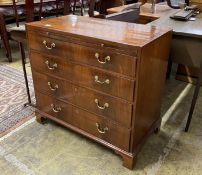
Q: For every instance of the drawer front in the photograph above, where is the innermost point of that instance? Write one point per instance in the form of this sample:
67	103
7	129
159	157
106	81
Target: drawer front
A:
52	106
85	76
104	58
47	45
112	108
48	64
104	129
53	86
103	81
95	125
100	104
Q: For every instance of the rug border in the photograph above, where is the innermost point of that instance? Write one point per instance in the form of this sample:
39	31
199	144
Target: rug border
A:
17	125
19	74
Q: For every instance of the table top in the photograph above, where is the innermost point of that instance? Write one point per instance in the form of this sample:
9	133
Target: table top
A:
127	34
22	2
145	10
162	19
182	28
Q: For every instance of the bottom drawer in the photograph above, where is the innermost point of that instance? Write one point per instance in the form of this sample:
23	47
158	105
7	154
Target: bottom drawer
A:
92	124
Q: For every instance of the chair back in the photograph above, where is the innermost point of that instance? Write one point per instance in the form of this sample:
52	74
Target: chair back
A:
29	10
131	16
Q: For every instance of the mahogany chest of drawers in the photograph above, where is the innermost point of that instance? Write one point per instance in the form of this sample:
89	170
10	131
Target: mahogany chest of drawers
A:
102	79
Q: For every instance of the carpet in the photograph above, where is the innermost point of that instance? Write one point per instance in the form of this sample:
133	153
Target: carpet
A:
12	97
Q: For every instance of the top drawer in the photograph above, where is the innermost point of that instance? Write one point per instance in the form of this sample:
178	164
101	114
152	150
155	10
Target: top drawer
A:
47	45
105	58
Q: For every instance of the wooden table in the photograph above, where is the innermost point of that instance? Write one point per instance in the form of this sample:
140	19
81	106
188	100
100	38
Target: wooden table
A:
187	44
145	12
189	32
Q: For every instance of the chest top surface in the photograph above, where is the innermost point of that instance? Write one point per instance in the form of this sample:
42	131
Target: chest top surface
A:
111	31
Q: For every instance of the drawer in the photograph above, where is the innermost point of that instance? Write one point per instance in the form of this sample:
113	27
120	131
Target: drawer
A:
85	76
48	64
102	128
107	106
105	59
92	124
53	106
103	81
53	86
48	45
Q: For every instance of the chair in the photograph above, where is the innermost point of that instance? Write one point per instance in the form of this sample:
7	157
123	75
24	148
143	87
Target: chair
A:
187	51
18	34
78	3
17	12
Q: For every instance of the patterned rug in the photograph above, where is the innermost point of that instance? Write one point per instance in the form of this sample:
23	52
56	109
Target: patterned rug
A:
12	97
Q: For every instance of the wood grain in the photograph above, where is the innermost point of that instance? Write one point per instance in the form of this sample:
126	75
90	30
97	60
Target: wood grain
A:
116	104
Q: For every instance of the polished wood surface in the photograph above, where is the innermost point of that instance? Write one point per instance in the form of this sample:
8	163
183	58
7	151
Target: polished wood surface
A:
91	94
109	83
77	95
78	27
102	57
115	134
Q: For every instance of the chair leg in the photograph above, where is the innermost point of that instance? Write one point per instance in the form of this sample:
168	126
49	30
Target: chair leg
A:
74	7
194	99
91	8
5	38
57	6
82	7
23	59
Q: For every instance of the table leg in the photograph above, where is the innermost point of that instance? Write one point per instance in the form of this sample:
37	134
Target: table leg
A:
194	99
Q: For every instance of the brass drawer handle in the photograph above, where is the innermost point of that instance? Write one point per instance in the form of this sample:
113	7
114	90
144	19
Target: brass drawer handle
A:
106	105
101	130
51	86
101	82
52	45
107	58
53	67
56	109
